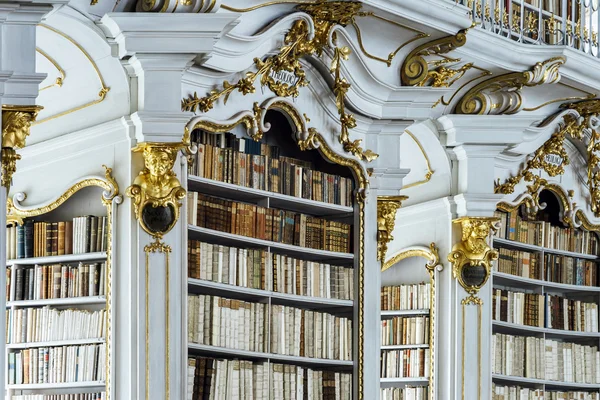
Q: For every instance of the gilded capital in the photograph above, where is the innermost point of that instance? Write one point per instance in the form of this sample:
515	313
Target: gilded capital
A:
472	256
387	206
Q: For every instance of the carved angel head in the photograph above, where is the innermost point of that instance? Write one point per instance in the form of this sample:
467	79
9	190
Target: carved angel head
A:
15	128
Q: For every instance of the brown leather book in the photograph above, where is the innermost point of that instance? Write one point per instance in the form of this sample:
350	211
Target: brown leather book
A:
69	237
54	238
56	278
61	238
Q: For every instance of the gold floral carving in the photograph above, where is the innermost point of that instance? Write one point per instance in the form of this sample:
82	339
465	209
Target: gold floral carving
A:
502	94
416	70
473	252
387	206
300	42
156	185
16	123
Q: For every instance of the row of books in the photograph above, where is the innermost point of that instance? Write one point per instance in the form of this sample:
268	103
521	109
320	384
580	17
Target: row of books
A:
540	233
242	325
267	223
31	325
210	378
57	281
260	166
572	271
70	396
519	263
405	330
406	297
544	311
86	234
57	365
539	358
500	392
408	363
259	269
405	393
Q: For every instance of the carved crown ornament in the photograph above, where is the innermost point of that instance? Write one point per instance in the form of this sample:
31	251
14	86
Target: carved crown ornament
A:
284	75
387	206
581	122
16	123
502	94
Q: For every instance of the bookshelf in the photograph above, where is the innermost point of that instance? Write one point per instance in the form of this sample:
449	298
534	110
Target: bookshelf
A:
287	300
545	304
408	324
59	292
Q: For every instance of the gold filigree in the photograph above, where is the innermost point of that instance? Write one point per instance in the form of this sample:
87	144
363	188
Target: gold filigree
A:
59	80
432	255
415	70
483	73
472	257
156	190
531	22
387	206
9	165
430	172
502	94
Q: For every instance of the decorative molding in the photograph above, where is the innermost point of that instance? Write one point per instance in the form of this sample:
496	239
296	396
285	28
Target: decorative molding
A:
60	80
300	41
502	94
103	88
416	70
429	172
431	254
16	124
267	4
387	206
588	95
483	73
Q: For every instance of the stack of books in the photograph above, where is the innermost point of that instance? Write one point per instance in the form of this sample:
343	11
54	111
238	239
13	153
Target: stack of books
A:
405	393
519	263
500	392
70	396
406	297
408	363
405	330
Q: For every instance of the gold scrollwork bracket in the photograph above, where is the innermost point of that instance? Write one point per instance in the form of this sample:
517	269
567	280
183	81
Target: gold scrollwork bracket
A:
472	257
416	71
387	206
16	124
502	94
156	191
432	256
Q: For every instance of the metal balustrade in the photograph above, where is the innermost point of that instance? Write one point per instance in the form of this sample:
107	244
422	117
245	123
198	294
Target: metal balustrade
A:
571	23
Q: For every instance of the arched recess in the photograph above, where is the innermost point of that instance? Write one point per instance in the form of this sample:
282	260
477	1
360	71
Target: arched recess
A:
393	269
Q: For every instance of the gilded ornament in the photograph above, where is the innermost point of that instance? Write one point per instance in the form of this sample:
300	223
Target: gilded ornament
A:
387	206
156	191
502	94
416	71
472	257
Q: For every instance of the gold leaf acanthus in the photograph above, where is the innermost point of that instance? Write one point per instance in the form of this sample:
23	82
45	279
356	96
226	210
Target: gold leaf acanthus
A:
297	45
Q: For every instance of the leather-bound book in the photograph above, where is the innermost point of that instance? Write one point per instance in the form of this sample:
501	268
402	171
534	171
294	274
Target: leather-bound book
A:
28	238
69	237
93	234
61	238
54	238
20	241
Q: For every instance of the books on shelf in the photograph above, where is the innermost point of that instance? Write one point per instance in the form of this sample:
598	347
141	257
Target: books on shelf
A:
236	324
519	263
513	227
501	392
210	378
87	234
57	364
540	358
45	324
406	363
406	297
58	281
268	224
518	307
405	330
259	269
70	396
572	271
571	315
245	162
405	393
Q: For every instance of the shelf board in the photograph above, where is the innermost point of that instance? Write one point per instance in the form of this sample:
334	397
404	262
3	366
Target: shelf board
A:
305	253
254	355
243	293
67	258
69	385
405	346
401	382
399	313
91	300
550	333
505	279
557	384
276	200
532	247
74	342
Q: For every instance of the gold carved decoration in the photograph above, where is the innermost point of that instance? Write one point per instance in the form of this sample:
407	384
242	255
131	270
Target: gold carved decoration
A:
429	172
416	70
156	191
16	123
482	73
502	94
387	206
432	255
472	257
59	80
300	42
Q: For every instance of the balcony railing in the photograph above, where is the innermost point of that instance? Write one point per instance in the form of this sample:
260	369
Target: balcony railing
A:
571	23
